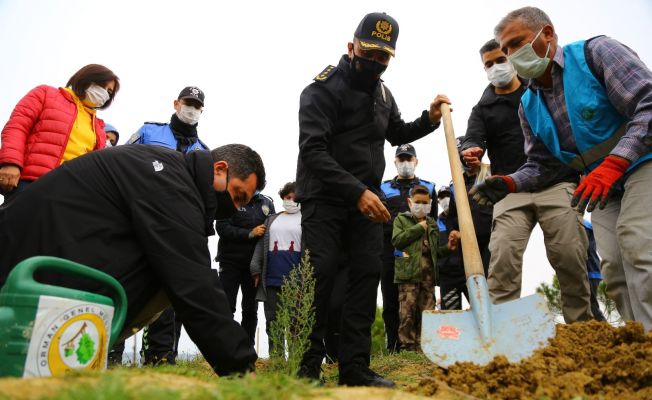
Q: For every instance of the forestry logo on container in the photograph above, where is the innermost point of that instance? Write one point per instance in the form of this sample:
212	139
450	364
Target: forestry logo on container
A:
68	335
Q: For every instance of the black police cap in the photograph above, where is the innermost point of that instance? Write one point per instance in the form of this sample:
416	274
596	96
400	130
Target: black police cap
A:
406	149
377	31
192	92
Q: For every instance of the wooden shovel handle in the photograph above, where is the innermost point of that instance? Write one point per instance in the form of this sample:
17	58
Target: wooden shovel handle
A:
470	250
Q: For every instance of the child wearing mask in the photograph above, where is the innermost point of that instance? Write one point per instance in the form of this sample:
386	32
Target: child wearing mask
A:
276	253
416	239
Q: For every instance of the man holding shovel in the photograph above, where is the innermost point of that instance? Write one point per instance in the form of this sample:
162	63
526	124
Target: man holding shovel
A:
345	116
494	125
603	130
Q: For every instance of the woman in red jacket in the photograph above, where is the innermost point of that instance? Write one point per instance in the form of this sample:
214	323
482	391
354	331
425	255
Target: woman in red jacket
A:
50	126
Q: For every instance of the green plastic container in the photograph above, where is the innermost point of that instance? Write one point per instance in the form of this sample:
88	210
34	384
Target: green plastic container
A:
47	330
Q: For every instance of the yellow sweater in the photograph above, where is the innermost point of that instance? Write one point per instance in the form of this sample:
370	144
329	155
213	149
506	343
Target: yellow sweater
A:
82	136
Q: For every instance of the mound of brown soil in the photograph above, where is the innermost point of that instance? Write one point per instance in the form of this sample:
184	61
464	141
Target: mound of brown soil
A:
590	360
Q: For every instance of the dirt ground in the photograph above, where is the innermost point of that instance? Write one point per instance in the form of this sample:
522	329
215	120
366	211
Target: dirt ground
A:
590	360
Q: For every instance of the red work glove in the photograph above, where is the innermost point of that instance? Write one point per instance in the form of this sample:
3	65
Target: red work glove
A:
597	185
492	190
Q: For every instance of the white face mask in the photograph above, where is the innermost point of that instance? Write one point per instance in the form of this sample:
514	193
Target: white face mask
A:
526	61
291	207
108	143
405	169
420	210
96	95
188	115
444	203
501	75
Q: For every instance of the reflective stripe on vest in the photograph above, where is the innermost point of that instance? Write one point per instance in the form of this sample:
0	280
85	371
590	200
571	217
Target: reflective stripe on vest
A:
596	125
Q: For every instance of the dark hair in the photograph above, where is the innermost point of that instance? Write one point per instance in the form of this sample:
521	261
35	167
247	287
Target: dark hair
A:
93	73
489	46
243	161
419	189
288	188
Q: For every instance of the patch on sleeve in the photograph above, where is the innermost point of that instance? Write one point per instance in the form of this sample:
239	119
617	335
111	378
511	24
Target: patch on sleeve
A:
135	138
325	74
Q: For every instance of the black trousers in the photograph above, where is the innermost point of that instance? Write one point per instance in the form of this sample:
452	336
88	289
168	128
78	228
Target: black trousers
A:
161	338
451	290
329	232
389	290
334	327
234	277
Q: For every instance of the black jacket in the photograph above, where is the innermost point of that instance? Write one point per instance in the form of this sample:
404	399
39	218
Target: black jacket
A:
494	126
140	214
342	133
235	245
451	269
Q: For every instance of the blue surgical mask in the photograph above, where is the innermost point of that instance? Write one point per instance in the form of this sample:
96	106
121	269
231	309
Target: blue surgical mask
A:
526	61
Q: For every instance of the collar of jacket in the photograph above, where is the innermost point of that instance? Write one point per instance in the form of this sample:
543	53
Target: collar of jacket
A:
66	95
490	97
200	166
413	182
345	66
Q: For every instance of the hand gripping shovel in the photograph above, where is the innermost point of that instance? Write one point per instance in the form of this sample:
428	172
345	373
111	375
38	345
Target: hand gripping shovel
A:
513	329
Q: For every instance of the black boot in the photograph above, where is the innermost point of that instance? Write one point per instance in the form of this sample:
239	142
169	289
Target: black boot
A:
311	372
363	376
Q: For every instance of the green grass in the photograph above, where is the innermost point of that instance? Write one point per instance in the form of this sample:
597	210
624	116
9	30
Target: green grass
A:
136	383
194	379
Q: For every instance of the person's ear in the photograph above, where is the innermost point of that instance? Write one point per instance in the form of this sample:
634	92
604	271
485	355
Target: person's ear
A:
548	33
220	174
220	167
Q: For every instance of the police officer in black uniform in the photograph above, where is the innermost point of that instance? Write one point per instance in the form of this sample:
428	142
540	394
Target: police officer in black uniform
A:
345	116
396	192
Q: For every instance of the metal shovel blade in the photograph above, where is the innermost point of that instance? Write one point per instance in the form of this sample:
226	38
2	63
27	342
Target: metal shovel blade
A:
513	329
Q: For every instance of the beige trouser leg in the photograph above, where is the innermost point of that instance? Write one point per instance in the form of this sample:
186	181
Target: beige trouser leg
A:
604	228
513	221
566	247
628	266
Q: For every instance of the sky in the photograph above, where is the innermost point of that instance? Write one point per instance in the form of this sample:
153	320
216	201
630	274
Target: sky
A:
253	58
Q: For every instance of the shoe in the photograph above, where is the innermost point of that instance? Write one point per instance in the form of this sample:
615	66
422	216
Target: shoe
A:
310	372
166	358
114	359
363	376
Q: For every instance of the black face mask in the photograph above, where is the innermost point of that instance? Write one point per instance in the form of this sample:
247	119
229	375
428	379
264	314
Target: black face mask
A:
366	73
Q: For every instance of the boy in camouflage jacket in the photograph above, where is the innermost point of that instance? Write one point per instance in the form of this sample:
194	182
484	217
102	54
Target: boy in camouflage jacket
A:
416	239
